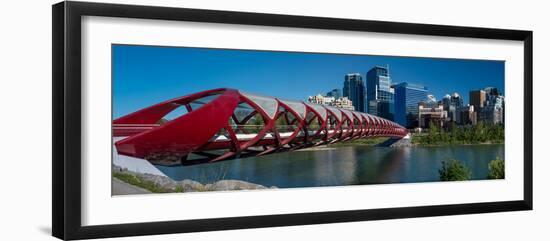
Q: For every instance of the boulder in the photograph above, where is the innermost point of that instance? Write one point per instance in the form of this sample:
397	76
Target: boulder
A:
190	186
162	181
225	185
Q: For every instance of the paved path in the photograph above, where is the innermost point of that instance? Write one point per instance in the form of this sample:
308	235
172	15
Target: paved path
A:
122	188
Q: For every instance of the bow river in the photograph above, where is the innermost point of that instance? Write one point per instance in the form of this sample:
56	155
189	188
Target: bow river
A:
344	165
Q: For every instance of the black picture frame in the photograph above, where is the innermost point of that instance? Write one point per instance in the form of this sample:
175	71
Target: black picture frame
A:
66	47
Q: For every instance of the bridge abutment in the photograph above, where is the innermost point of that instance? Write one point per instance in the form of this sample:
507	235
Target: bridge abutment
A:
397	142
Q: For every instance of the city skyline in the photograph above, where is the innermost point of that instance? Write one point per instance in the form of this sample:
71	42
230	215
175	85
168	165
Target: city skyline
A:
154	73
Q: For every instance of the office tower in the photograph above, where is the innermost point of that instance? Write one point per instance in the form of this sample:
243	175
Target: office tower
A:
407	97
452	104
456	100
354	90
477	99
493	108
380	95
488	104
491	91
467	115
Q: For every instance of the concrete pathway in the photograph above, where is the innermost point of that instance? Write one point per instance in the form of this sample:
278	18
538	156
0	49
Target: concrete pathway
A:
122	188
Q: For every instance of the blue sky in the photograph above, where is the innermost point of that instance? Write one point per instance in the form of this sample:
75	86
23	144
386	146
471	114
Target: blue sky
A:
146	75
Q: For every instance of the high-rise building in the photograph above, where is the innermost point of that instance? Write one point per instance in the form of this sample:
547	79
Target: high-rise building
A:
407	97
467	115
488	104
336	93
477	99
354	89
380	95
493	109
452	104
492	91
457	100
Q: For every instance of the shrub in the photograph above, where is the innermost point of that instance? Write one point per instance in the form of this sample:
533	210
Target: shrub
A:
496	169
454	170
139	182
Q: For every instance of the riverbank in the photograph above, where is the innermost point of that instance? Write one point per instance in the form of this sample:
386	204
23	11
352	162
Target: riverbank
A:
150	183
416	140
316	148
427	140
365	141
457	144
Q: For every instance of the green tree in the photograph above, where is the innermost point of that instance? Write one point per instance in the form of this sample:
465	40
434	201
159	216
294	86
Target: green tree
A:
454	170
258	120
454	134
496	169
480	133
433	133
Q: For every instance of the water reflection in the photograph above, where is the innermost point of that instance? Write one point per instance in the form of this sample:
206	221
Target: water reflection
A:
349	165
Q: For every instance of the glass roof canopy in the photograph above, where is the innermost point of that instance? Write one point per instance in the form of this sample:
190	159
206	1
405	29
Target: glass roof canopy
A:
270	106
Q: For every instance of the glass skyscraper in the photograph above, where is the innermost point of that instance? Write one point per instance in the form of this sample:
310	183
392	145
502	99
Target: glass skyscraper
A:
380	94
452	104
407	97
354	89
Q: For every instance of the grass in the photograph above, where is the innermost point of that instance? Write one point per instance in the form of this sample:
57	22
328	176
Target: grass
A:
136	181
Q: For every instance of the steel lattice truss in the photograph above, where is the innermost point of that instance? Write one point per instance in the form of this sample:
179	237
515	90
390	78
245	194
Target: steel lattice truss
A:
221	124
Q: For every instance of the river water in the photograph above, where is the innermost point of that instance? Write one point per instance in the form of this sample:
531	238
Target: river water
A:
344	165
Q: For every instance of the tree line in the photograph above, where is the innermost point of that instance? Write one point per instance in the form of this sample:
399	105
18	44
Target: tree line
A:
453	134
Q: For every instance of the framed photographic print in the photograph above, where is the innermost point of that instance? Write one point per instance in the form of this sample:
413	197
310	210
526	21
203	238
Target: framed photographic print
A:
170	120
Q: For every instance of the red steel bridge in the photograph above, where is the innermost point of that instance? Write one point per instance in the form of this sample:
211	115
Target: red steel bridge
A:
221	124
